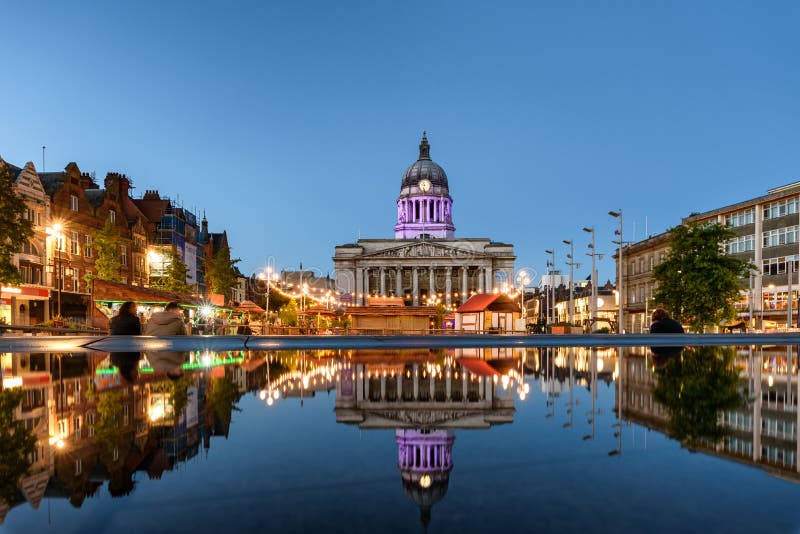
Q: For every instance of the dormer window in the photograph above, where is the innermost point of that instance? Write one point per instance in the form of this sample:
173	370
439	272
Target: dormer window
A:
73	202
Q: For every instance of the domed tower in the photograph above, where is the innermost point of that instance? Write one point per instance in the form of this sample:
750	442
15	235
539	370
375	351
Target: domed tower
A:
424	207
425	459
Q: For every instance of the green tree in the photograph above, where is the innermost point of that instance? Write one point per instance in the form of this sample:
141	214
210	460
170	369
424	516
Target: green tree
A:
697	282
106	242
16	444
175	274
694	387
288	313
220	272
15	229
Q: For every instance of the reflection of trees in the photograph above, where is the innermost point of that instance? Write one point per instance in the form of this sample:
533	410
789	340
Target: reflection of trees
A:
694	387
221	396
16	444
178	391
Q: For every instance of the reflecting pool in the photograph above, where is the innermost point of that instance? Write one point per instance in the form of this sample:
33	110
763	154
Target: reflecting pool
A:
462	440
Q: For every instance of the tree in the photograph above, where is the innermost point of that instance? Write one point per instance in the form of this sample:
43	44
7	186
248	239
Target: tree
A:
16	444
175	274
106	242
15	229
220	272
694	388
288	314
697	282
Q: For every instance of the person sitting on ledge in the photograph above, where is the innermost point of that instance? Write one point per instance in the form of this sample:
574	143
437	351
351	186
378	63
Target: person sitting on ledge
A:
166	323
664	324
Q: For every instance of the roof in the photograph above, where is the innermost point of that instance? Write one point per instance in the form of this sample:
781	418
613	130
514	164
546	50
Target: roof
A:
488	301
392	310
52	181
106	291
95	197
152	208
424	168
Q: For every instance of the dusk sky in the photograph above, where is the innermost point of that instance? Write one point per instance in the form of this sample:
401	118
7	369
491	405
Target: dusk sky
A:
291	123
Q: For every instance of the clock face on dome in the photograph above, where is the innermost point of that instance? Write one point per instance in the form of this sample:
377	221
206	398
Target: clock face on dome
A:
425	185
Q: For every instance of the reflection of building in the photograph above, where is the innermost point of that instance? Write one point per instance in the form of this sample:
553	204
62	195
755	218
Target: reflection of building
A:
425	259
424	401
762	433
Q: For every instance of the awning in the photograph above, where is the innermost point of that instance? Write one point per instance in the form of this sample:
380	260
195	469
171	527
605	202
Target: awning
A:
477	367
105	291
248	306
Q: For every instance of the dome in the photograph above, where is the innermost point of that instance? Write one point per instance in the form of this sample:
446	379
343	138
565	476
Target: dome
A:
424	168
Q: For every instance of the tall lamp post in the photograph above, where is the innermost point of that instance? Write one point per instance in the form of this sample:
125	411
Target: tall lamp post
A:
593	304
572	265
523	279
269	275
55	232
620	294
552	292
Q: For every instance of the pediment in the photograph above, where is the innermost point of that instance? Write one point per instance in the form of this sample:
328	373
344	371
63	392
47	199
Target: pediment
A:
426	250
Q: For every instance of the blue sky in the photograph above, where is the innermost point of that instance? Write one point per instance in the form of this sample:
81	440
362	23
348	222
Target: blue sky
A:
290	123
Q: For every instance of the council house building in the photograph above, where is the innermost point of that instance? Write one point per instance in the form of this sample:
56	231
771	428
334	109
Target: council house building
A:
425	263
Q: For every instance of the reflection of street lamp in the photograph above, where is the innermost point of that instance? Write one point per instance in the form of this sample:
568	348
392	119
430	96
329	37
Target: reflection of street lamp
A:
620	322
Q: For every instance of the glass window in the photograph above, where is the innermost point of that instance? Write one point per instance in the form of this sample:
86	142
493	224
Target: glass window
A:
73	203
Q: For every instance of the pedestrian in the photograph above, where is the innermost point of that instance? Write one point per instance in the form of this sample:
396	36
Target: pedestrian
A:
166	323
662	323
126	321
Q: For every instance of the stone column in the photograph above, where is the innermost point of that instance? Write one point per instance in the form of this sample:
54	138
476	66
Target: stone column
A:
481	280
415	286
366	285
431	282
383	388
489	280
464	288
448	286
383	282
399	283
416	381
359	286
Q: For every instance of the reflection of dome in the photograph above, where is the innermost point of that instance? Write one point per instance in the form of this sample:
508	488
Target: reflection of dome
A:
424	169
425	461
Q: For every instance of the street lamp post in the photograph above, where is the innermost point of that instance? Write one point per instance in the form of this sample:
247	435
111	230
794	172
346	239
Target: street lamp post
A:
593	304
572	265
551	288
620	294
523	279
55	233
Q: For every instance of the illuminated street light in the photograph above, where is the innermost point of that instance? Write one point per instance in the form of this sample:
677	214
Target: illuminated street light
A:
620	294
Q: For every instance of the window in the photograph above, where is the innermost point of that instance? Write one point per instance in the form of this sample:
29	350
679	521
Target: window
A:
76	281
780	208
780	236
63	427
123	255
740	244
90	423
87	246
78	466
773	266
73	203
112	216
77	423
115	455
73	243
124	414
740	218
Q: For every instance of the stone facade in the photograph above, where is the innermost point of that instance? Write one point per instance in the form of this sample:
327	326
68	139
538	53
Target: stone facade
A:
425	263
